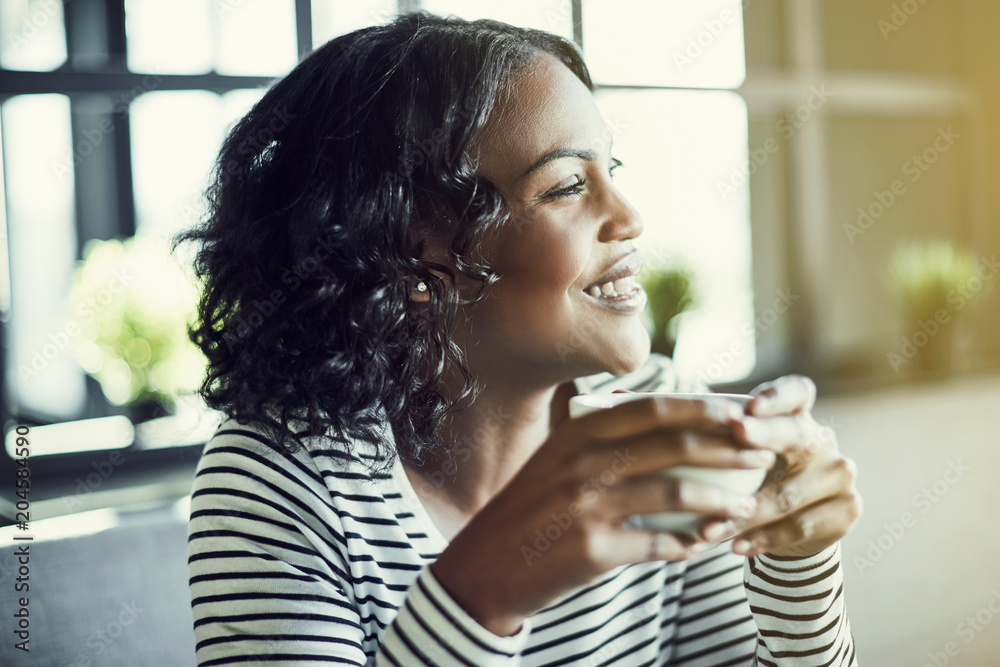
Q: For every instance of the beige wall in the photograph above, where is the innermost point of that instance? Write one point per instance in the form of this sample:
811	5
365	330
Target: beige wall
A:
858	320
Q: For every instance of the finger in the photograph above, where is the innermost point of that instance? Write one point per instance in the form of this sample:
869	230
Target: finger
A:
784	435
627	545
791	394
652	494
803	533
657	451
815	485
656	412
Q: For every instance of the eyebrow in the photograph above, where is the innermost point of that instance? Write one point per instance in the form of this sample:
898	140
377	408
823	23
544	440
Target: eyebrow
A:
559	153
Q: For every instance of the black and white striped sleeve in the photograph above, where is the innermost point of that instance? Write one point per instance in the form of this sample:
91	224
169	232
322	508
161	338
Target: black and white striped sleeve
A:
799	608
271	585
765	611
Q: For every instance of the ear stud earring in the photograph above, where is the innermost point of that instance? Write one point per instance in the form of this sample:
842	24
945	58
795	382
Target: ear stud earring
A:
421	286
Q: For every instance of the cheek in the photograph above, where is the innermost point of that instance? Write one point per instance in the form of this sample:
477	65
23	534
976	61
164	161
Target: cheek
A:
540	269
546	260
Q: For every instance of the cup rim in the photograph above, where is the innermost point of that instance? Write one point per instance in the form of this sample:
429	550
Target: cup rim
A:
599	400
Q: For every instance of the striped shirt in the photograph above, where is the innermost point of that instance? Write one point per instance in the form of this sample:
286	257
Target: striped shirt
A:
304	558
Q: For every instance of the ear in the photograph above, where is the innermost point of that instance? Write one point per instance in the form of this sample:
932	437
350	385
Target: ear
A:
432	249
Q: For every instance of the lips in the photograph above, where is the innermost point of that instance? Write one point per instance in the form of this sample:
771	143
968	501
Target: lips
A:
620	280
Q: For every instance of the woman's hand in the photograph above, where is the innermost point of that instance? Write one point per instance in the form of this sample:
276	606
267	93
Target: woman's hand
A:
558	524
808	501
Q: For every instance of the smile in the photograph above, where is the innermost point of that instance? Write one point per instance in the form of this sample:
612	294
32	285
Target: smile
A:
624	295
622	286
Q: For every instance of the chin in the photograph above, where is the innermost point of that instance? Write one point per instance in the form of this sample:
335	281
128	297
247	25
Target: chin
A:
629	355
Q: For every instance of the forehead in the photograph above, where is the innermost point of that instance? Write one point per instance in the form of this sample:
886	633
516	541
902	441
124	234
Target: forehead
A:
547	108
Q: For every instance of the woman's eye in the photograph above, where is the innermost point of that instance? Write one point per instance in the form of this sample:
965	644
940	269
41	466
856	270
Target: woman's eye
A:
570	190
577	187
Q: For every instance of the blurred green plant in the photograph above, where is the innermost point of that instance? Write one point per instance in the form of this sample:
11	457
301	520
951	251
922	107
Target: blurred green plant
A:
928	276
670	292
926	273
133	303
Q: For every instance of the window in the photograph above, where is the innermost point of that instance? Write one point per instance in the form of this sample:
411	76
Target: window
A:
113	112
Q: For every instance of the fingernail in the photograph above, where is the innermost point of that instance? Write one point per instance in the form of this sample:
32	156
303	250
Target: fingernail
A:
719	531
724	411
696	549
757	458
755	431
741	546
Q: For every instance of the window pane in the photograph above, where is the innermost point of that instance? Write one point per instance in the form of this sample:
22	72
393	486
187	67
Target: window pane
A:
44	373
678	146
34	37
175	138
256	37
332	17
665	42
236	104
169	36
551	15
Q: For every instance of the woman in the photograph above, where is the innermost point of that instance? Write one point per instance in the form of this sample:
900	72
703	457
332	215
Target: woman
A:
416	254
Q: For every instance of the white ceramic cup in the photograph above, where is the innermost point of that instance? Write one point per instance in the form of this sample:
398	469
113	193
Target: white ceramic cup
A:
743	481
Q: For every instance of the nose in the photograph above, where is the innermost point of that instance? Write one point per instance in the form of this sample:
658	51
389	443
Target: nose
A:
622	221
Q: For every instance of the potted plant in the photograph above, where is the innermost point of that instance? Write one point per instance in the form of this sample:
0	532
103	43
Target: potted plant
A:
670	292
929	277
132	303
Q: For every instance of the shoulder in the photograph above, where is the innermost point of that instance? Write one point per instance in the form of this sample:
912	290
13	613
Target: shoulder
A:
657	374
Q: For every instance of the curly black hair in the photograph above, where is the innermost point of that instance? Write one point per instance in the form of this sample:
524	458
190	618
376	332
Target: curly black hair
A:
319	197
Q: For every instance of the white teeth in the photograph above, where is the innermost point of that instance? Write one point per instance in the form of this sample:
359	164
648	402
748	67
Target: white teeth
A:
624	285
615	288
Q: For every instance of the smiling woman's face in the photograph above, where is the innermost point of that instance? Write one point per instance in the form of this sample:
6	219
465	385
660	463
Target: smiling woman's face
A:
548	151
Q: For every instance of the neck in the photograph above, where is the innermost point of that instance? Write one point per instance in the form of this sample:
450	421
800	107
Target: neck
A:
490	440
